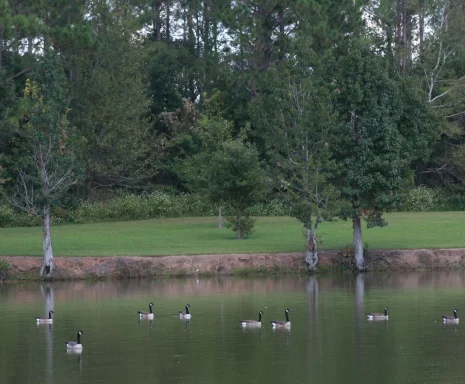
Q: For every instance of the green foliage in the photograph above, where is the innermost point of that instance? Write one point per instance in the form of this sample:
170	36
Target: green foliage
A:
271	207
44	144
241	224
233	176
426	199
110	104
157	204
420	199
382	128
292	117
15	218
132	207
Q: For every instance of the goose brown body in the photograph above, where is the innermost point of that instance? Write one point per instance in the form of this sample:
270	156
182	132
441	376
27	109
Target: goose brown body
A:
378	316
75	345
451	319
45	320
146	315
253	323
282	323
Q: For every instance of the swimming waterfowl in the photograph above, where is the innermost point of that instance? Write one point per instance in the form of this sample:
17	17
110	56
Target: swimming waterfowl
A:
45	320
378	316
75	345
185	315
146	315
253	323
280	323
451	319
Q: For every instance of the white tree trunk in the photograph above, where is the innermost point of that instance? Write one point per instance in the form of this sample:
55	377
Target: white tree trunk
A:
358	243
311	254
220	218
48	266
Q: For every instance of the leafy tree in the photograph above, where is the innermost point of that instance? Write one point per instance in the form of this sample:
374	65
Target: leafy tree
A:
232	176
293	115
45	163
382	126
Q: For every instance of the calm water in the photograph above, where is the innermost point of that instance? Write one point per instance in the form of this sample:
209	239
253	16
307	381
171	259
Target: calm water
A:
330	341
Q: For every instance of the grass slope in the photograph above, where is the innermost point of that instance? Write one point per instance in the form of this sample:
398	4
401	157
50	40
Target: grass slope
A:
190	236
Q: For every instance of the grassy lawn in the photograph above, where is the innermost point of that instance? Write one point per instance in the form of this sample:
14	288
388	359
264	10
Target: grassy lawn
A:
190	236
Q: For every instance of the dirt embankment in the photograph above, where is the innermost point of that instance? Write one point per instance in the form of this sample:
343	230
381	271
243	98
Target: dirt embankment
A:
71	268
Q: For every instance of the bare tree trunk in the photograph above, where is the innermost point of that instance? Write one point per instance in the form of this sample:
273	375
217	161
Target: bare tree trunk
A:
311	254
398	33
220	218
157	20
30	44
358	244
421	33
168	21
48	266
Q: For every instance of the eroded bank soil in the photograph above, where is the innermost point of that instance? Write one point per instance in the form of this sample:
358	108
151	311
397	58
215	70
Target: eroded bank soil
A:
25	267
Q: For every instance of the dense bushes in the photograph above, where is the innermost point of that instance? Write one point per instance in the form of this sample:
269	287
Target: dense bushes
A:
132	207
424	199
162	204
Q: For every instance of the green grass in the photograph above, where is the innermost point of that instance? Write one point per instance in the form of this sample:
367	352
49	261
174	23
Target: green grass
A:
190	236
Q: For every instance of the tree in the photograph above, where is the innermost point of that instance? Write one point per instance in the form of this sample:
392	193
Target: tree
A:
382	126
293	116
45	163
110	104
7	106
232	176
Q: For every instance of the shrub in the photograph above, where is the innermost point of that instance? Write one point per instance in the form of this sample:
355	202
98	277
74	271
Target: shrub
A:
420	199
10	217
245	223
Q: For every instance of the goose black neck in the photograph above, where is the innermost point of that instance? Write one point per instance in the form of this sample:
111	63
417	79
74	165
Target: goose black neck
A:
150	308
187	310
49	314
78	338
385	311
455	314
259	317
287	316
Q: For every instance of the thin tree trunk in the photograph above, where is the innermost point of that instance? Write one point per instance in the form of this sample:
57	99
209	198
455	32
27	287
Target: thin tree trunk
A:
240	230
421	33
48	266
358	244
281	32
220	218
399	33
168	21
157	20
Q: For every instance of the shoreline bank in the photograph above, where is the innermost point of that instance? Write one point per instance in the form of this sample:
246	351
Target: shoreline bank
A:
121	267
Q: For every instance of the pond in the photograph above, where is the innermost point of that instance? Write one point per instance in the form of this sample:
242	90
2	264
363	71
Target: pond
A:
330	339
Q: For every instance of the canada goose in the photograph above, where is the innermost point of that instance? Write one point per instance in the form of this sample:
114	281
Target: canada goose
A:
280	323
45	320
75	345
253	323
451	319
185	315
378	316
146	315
